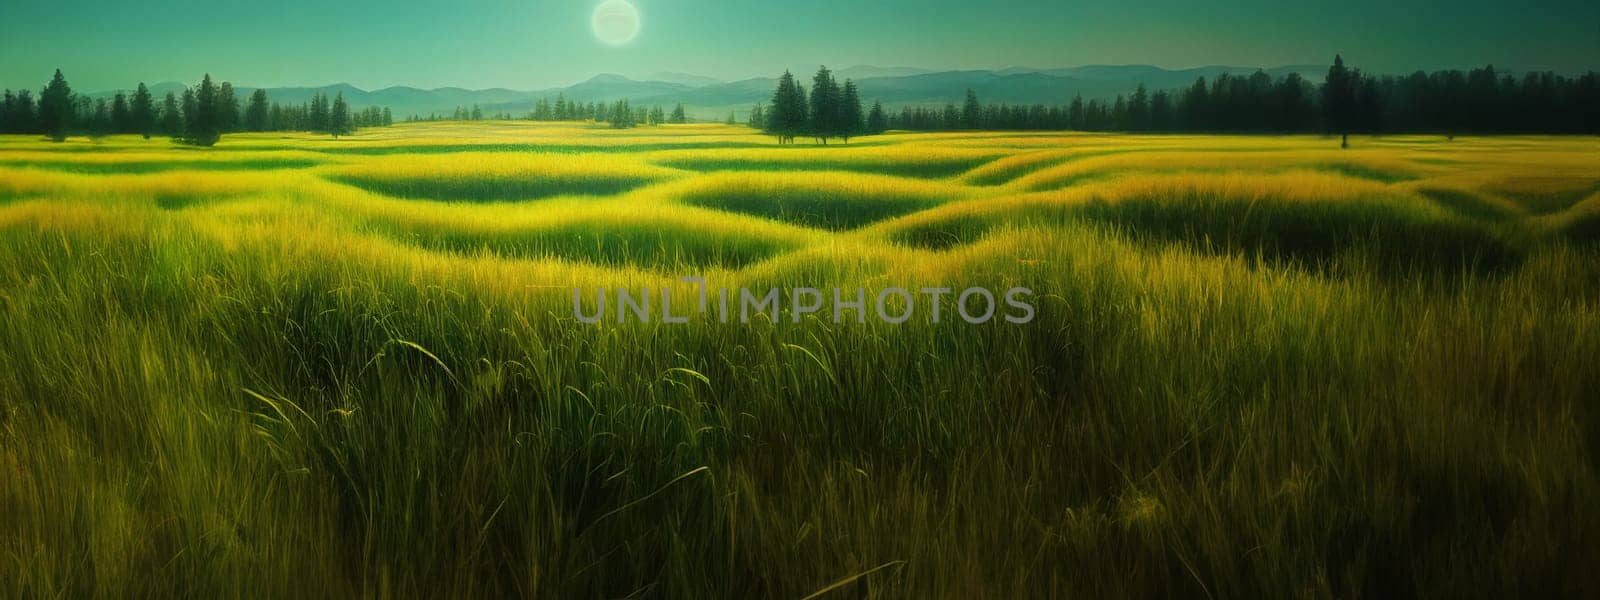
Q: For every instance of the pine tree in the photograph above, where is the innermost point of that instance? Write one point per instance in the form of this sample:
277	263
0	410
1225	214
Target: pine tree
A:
55	108
257	116
971	111
172	114
757	118
678	115
20	116
877	122
825	100
99	123
850	124
339	117
190	111
204	121
142	111
317	113
120	117
1197	107
1339	100
227	109
477	113
1138	110
788	116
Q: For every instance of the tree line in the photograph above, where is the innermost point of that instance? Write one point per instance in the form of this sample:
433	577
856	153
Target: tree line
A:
199	116
619	114
830	111
1446	102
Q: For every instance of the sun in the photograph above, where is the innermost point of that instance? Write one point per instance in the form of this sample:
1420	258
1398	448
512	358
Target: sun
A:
616	22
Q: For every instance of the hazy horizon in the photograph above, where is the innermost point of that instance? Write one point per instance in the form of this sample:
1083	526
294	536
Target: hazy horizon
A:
533	45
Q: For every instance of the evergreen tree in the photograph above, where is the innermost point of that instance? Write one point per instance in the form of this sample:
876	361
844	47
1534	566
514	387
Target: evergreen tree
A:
477	113
1161	117
22	116
121	118
1138	110
732	119
1197	107
877	122
789	115
1339	109
678	116
1077	117
971	111
227	109
825	100
55	108
850	124
757	118
257	116
339	117
191	110
204	120
142	111
172	118
99	123
318	114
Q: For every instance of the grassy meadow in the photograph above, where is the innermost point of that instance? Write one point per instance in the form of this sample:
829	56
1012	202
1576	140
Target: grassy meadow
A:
294	366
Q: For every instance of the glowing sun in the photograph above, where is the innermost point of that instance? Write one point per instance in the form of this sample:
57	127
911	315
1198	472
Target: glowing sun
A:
616	22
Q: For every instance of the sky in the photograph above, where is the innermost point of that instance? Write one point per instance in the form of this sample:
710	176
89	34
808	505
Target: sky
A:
535	44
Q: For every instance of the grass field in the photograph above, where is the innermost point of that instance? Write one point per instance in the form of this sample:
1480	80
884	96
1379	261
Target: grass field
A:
1261	367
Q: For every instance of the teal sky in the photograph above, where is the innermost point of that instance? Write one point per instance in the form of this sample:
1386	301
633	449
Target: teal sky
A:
529	44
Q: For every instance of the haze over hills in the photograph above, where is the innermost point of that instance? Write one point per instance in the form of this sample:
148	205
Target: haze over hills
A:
711	98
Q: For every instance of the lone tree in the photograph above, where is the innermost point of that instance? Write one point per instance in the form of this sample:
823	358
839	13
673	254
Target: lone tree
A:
142	111
1339	100
55	108
339	117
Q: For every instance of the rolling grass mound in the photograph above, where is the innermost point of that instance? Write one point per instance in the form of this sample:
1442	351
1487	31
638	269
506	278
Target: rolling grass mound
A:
916	161
624	232
498	176
825	200
1305	216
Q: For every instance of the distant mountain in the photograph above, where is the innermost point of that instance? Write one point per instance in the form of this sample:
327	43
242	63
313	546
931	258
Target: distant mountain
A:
709	98
688	79
859	72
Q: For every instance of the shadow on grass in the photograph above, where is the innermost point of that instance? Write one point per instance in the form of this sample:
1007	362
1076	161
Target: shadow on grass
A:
495	189
610	244
813	208
928	169
1396	237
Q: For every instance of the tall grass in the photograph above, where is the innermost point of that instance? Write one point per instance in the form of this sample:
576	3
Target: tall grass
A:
274	383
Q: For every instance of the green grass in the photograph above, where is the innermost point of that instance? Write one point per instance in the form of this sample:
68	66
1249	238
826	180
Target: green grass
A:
312	386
